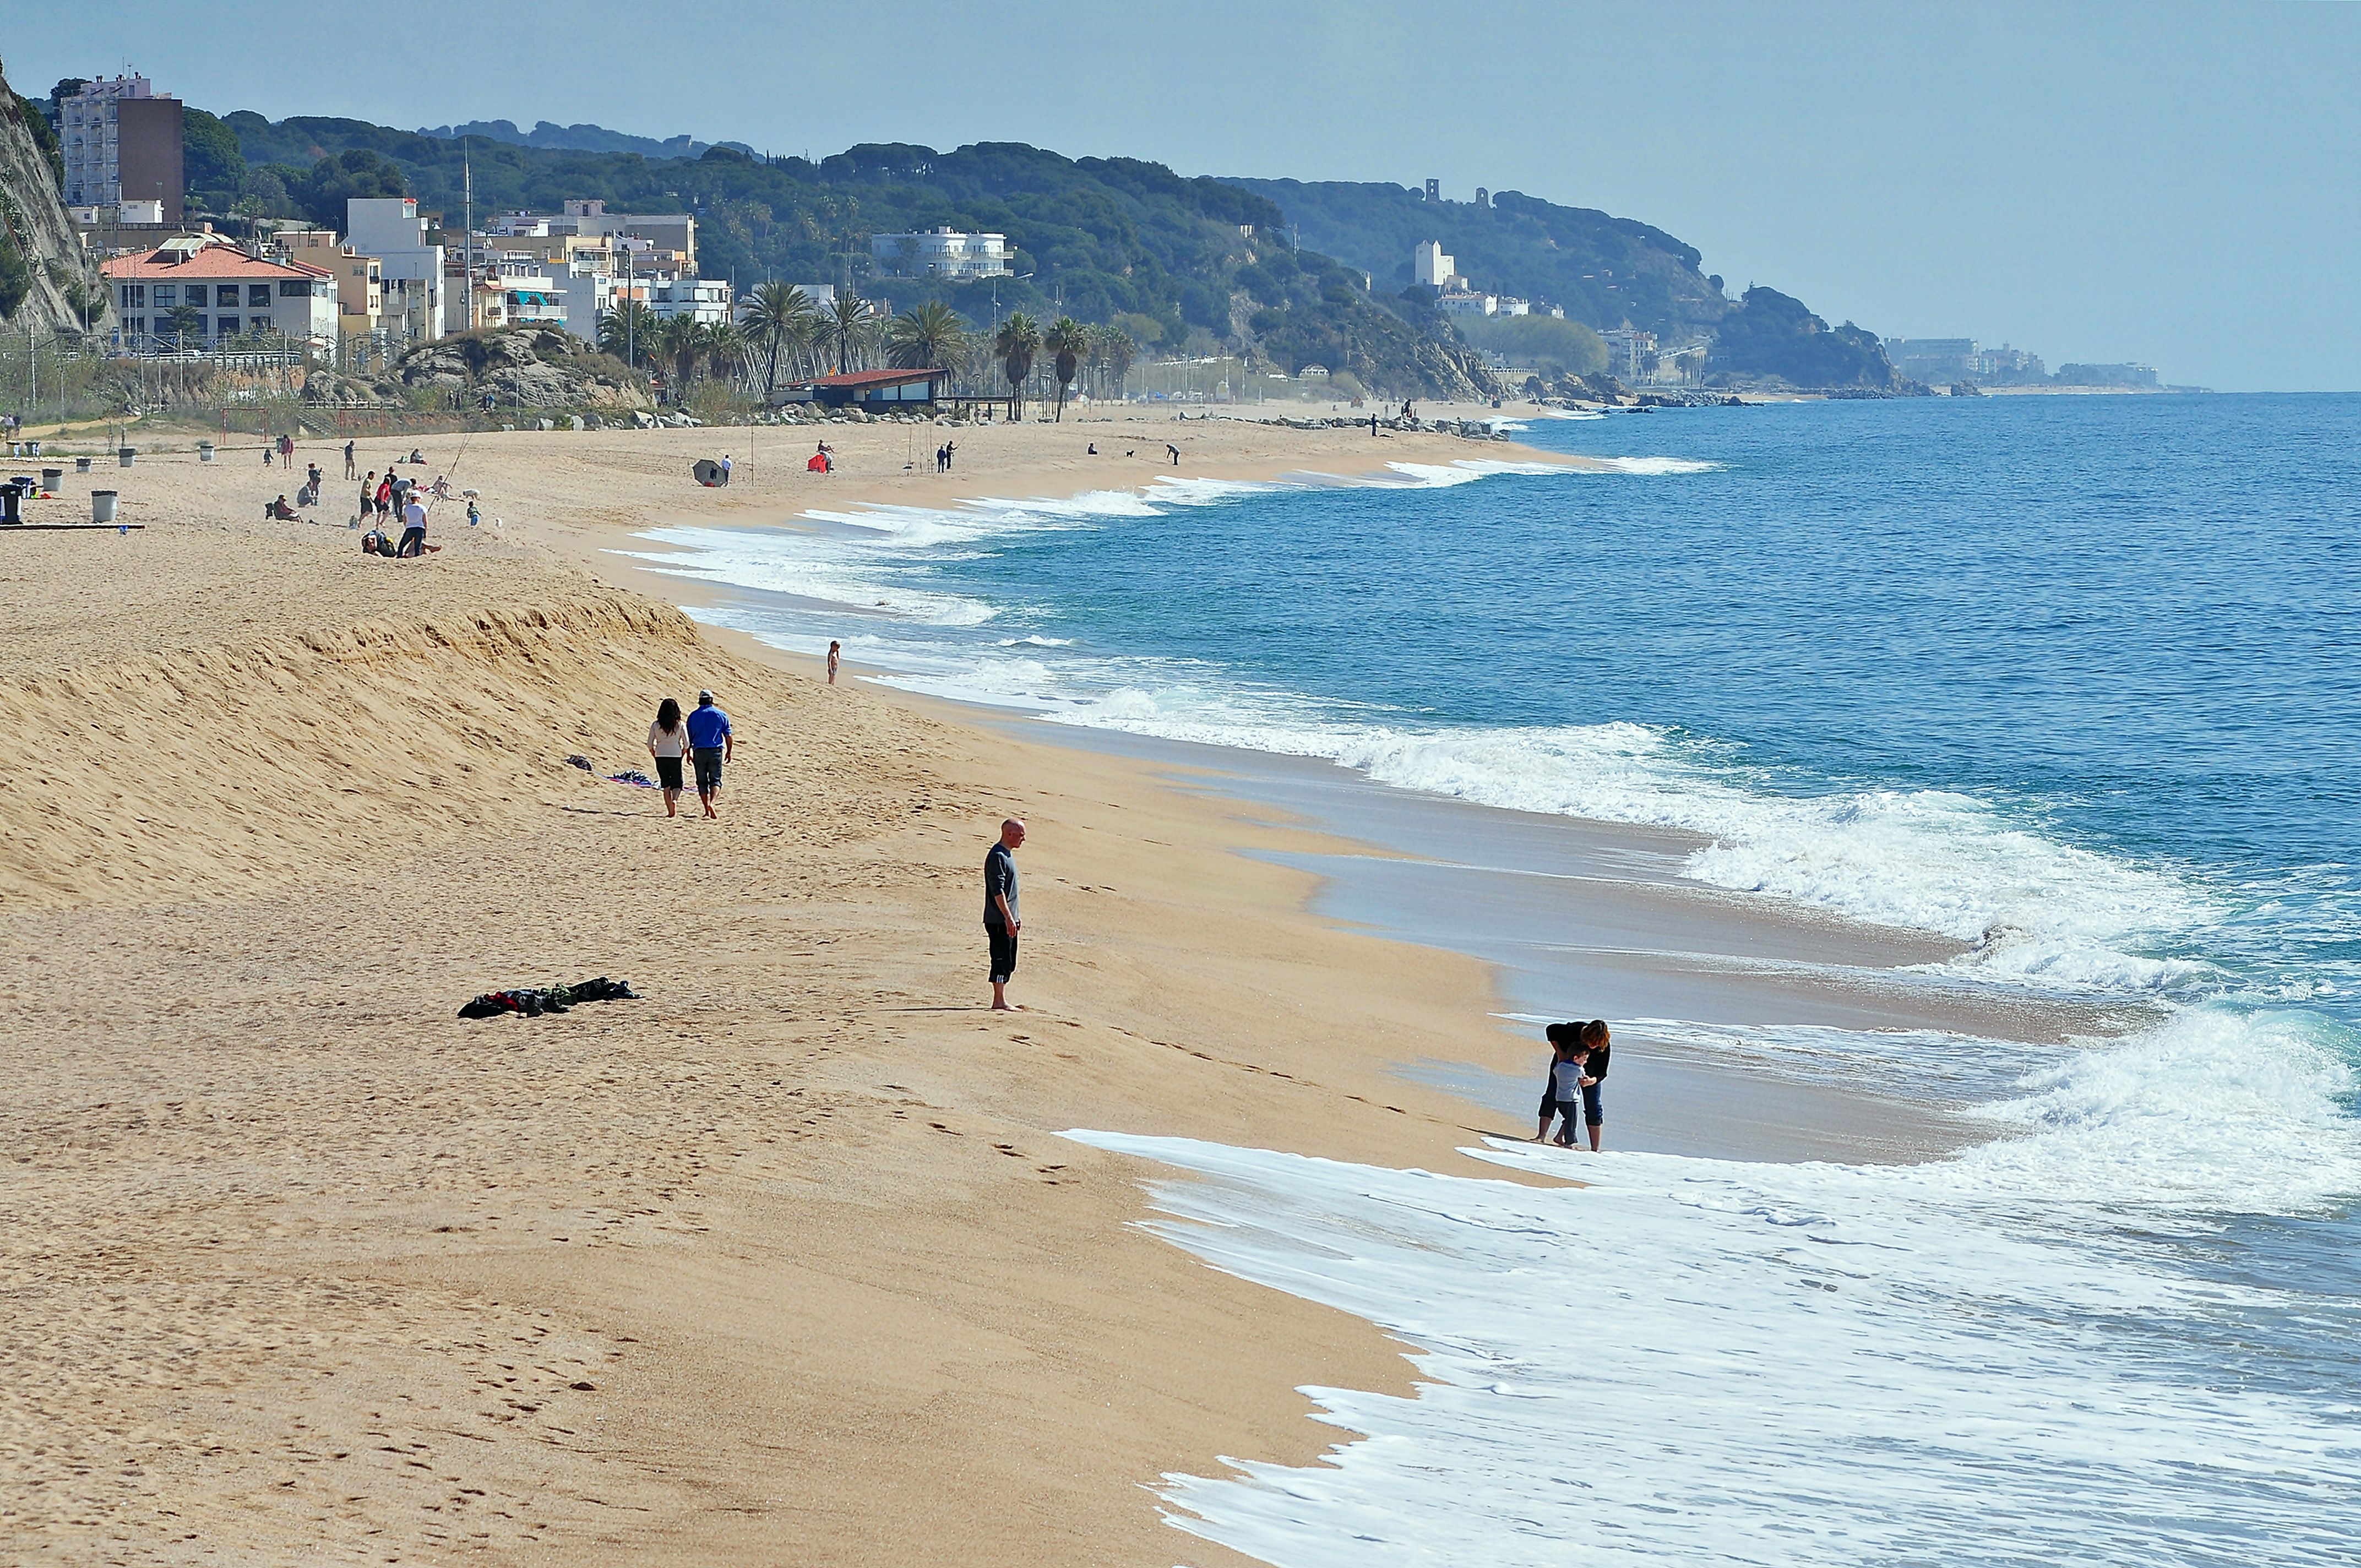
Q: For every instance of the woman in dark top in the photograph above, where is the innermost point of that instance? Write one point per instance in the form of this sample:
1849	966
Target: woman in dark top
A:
1594	1040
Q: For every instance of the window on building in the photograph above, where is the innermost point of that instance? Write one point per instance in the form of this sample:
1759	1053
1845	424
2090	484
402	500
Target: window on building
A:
166	295
226	294
135	296
225	327
139	326
258	296
196	324
294	289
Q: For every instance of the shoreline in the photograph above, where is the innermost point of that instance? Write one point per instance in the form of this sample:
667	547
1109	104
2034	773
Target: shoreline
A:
1703	948
783	1258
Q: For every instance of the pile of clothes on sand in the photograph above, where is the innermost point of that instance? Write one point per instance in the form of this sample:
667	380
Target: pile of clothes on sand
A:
533	1001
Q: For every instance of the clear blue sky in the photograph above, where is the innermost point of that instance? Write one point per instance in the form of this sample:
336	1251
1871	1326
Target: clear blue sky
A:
2173	183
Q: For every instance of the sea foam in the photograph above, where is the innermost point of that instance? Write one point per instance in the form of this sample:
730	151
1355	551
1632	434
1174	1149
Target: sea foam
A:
2002	1358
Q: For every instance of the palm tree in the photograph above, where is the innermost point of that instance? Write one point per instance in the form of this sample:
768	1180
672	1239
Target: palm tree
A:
779	315
626	329
926	338
679	340
1069	341
1014	344
725	348
1113	349
849	324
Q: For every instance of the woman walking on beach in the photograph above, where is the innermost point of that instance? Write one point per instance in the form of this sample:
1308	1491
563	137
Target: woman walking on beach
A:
668	744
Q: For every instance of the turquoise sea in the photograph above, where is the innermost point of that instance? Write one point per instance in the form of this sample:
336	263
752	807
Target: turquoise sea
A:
2076	682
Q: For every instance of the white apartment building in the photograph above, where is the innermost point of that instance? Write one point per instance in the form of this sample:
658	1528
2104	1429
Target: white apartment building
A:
196	290
1624	348
705	299
410	269
121	142
949	254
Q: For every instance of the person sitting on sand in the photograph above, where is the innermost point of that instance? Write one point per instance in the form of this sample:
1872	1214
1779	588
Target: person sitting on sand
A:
415	457
709	746
668	744
279	511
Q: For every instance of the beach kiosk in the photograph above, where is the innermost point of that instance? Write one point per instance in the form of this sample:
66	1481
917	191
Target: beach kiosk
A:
877	391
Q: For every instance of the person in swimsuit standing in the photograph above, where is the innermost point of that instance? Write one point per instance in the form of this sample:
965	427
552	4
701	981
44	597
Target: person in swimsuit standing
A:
835	650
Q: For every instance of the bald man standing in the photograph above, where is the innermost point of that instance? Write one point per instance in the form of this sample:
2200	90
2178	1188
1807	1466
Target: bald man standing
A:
1000	920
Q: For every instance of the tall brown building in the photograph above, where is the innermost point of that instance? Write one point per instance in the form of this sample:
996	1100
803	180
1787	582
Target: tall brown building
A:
122	142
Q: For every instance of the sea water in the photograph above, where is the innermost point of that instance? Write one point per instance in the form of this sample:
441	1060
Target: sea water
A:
2076	682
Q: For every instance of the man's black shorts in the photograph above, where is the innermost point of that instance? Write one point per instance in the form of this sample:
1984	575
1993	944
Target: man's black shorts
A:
1004	954
708	769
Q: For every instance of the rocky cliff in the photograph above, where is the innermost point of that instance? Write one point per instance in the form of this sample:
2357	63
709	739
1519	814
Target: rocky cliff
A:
44	276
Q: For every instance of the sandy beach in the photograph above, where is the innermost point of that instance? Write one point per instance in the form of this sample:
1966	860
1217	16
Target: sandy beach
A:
785	1263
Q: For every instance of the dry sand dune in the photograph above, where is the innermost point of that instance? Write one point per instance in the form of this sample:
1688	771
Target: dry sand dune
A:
783	1264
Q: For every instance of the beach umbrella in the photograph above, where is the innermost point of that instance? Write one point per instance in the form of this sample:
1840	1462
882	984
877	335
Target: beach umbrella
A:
706	471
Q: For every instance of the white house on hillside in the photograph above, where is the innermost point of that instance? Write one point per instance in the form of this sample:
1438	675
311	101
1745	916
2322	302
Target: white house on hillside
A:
946	252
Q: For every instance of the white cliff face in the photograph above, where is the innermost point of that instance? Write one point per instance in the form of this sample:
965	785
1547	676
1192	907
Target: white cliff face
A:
50	266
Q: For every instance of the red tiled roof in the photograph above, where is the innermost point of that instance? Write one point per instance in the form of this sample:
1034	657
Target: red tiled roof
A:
857	379
222	261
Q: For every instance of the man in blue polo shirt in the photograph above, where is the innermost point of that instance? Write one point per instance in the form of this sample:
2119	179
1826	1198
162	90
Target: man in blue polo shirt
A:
709	742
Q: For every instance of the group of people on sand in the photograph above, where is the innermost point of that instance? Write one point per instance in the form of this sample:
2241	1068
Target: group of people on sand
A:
1570	1096
697	744
943	456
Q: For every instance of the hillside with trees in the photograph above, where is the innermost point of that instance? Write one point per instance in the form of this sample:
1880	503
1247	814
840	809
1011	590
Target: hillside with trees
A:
1771	334
1605	271
1177	265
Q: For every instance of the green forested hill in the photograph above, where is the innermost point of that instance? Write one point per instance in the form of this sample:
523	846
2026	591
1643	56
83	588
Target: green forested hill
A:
1270	269
1176	262
1605	271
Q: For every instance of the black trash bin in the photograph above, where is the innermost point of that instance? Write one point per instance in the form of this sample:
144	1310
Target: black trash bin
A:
8	514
